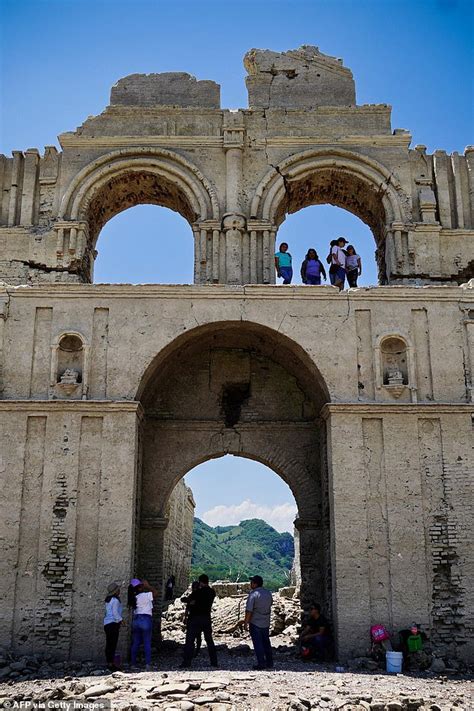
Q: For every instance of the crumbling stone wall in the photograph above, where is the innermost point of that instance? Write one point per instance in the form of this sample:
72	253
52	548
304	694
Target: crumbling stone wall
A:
296	377
178	537
235	175
382	486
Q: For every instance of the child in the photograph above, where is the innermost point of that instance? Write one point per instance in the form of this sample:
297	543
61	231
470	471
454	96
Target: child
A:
414	639
353	265
112	622
283	266
312	268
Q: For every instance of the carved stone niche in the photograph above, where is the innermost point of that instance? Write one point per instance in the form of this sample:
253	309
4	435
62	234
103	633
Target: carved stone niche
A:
69	367
394	365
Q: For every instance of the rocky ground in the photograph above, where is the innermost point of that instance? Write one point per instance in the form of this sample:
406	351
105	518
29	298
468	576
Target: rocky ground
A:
293	684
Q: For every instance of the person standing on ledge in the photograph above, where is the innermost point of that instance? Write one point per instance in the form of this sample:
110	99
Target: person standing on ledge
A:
257	618
200	604
353	265
283	263
338	257
312	269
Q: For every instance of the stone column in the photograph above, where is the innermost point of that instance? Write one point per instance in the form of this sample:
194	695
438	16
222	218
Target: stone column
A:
469	326
3	317
441	172
233	147
234	223
30	184
234	227
261	249
15	181
233	164
311	549
469	153
150	562
207	252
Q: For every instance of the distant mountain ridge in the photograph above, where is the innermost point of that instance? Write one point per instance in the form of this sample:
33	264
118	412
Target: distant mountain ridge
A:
237	552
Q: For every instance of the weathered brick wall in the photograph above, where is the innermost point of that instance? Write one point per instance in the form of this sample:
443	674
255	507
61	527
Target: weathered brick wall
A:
178	537
68	521
402	522
384	504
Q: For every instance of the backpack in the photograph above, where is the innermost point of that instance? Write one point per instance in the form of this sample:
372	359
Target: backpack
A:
329	258
379	633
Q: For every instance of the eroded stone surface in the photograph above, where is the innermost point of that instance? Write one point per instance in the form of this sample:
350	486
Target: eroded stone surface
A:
361	401
165	89
235	175
303	77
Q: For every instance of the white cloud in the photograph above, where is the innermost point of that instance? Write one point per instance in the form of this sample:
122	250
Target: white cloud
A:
281	516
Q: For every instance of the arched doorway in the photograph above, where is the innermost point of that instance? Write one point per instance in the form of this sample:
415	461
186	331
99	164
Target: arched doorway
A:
341	178
124	179
315	226
243	525
162	248
244	389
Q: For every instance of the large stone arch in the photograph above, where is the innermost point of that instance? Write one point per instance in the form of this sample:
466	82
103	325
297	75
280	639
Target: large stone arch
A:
338	177
194	195
243	389
125	178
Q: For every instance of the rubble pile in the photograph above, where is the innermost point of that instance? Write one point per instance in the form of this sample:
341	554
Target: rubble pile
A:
229	609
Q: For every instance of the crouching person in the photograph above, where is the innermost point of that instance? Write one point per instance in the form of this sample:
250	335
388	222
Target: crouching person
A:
315	639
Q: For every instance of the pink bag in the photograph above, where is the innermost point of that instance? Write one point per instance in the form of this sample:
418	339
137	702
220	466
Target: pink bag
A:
379	633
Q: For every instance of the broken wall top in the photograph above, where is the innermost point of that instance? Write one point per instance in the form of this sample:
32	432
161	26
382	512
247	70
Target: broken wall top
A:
165	89
299	78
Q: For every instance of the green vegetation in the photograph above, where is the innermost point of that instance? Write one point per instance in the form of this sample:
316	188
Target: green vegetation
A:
237	552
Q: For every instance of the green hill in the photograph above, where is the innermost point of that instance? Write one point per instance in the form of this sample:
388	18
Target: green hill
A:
237	552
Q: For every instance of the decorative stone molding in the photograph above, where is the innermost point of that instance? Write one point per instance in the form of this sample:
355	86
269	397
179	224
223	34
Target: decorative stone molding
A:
427	200
395	369
72	241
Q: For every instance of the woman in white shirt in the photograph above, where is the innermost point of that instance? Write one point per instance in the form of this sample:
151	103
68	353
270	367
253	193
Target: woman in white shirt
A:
140	600
338	257
112	622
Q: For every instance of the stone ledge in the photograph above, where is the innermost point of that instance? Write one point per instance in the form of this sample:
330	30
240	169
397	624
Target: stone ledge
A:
217	426
93	407
74	141
355	140
250	291
404	408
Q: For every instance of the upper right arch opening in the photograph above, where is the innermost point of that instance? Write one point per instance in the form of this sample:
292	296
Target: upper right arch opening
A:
341	178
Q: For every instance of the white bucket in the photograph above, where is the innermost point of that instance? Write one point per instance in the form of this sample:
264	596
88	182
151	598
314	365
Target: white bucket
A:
394	662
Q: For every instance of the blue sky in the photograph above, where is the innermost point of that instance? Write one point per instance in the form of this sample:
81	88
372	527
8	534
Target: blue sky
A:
60	58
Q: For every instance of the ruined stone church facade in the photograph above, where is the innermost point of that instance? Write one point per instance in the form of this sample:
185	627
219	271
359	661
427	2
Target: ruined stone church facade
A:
362	401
